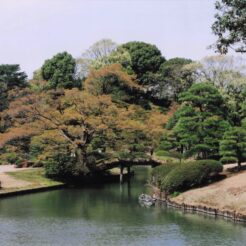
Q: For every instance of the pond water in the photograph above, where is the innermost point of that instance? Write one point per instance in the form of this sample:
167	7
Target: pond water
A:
107	215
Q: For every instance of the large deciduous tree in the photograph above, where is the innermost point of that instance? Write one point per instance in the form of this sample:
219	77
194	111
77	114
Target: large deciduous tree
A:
230	25
96	57
177	77
113	80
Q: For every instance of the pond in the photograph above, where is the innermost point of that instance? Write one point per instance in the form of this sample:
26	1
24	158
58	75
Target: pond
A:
107	215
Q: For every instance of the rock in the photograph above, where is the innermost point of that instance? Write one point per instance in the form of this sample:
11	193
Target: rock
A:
146	200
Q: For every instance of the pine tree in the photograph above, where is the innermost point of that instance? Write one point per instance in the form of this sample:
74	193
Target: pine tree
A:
233	146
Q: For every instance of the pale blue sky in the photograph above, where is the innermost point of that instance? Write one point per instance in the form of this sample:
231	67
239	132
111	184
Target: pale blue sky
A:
34	30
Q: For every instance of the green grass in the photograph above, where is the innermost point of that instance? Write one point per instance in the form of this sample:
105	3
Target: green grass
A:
35	176
165	158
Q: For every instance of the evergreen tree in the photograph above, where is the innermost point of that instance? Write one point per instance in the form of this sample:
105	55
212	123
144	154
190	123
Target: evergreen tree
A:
200	123
10	77
59	71
233	146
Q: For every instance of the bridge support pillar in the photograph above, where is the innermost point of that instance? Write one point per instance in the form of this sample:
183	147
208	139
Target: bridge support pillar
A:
128	171
121	174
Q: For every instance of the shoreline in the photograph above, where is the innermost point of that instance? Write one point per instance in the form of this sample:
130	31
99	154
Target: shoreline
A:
31	187
199	209
233	216
24	191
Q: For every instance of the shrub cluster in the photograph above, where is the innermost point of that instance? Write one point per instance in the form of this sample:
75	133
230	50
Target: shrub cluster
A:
59	166
176	177
160	172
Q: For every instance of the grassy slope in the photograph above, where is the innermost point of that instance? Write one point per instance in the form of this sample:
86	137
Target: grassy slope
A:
228	194
34	177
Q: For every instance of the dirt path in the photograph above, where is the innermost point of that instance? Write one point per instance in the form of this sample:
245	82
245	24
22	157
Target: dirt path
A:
7	181
228	194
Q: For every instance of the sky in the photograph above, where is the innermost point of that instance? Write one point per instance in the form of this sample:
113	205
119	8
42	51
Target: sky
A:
32	31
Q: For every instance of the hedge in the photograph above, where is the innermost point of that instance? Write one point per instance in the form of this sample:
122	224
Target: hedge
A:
160	172
179	177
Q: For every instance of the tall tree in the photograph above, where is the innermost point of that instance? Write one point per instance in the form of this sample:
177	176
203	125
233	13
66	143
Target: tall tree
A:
145	58
96	57
200	123
176	76
101	49
113	80
233	146
230	25
227	73
60	71
10	78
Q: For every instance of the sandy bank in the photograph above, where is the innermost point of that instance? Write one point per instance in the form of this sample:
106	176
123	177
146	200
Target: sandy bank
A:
228	194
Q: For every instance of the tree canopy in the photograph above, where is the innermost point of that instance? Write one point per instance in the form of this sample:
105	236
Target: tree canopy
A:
233	146
199	124
230	25
145	57
10	78
59	71
133	103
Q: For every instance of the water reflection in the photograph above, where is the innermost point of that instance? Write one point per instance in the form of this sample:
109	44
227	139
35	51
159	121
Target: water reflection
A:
107	215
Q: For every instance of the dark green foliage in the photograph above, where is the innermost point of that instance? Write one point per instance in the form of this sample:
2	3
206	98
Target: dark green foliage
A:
177	79
157	88
145	57
160	172
60	166
60	71
229	26
170	67
11	158
184	111
10	78
198	126
179	177
172	78
233	146
242	104
146	60
120	91
169	147
205	97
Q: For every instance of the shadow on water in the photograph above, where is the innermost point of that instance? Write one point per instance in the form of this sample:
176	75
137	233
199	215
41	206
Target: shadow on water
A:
107	215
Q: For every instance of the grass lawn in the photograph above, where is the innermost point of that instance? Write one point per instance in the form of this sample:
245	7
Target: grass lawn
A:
165	158
35	176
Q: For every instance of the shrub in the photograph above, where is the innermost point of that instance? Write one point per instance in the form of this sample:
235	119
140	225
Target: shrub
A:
59	166
159	173
188	175
12	158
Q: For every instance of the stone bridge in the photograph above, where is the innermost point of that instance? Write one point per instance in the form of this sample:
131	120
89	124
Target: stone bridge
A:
128	163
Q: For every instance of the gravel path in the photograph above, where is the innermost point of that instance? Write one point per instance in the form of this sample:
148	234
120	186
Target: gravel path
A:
9	182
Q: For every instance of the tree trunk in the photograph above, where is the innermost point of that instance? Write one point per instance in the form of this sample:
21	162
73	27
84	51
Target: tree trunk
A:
81	161
239	165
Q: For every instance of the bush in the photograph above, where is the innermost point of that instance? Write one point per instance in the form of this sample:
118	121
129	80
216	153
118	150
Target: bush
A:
159	173
189	175
11	158
59	166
